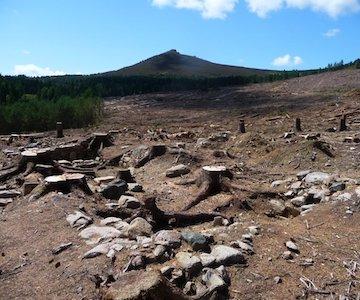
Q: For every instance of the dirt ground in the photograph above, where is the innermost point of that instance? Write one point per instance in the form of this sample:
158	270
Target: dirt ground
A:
327	235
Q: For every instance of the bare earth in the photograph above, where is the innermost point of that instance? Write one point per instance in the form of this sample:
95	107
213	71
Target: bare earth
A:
328	235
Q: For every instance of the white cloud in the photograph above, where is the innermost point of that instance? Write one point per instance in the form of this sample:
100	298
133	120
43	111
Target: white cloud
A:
332	32
287	61
333	8
32	70
209	9
25	52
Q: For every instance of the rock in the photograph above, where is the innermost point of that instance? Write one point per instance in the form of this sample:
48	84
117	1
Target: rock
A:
244	246
289	194
316	195
190	288
226	255
278	207
6	201
298	201
114	189
287	255
189	262
247	238
95	234
196	240
288	135
61	248
317	177
110	221
207	260
203	143
292	246
78	220
137	285
159	251
29	186
342	197
277	279
98	250
301	175
177	171
213	280
220	137
255	230
278	183
337	187
296	185
135	187
139	226
129	202
168	238
9	194
167	271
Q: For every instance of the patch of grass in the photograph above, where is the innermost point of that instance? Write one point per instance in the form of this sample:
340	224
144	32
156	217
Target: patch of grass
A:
33	114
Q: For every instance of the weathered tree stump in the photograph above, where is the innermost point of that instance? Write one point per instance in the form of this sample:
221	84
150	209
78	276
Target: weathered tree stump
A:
242	126
343	126
211	181
154	151
62	183
59	130
298	125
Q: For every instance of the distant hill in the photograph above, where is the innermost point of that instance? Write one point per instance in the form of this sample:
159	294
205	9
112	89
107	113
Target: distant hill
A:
177	64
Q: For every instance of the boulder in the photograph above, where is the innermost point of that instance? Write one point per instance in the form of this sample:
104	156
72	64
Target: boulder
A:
213	280
189	262
139	227
168	238
114	189
196	240
207	260
129	202
78	220
317	177
137	285
226	255
95	234
337	187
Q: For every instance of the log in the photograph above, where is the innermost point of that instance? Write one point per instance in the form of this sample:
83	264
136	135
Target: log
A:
343	126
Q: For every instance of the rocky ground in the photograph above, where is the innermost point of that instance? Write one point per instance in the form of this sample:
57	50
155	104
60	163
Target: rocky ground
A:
172	201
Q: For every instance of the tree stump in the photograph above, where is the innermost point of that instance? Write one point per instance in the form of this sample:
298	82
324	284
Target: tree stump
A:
343	126
154	151
298	124
59	130
211	181
242	126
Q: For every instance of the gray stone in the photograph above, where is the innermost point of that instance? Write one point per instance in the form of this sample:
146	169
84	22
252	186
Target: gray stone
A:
159	251
169	238
245	247
114	189
95	234
110	221
277	279
139	226
342	197
337	187
190	288
78	220
196	240
296	185
226	255
301	175
177	171
213	280
135	187
298	201
278	207
292	246
207	260
98	250
317	177
189	262
129	202
255	230
287	255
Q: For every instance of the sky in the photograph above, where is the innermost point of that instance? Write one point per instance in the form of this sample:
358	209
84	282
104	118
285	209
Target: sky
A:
55	37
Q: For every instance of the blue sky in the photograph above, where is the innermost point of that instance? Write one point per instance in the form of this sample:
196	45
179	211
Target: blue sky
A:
49	37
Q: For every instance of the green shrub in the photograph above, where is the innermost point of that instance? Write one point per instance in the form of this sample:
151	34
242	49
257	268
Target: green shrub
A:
33	114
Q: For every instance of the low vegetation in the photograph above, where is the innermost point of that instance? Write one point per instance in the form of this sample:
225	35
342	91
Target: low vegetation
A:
31	113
